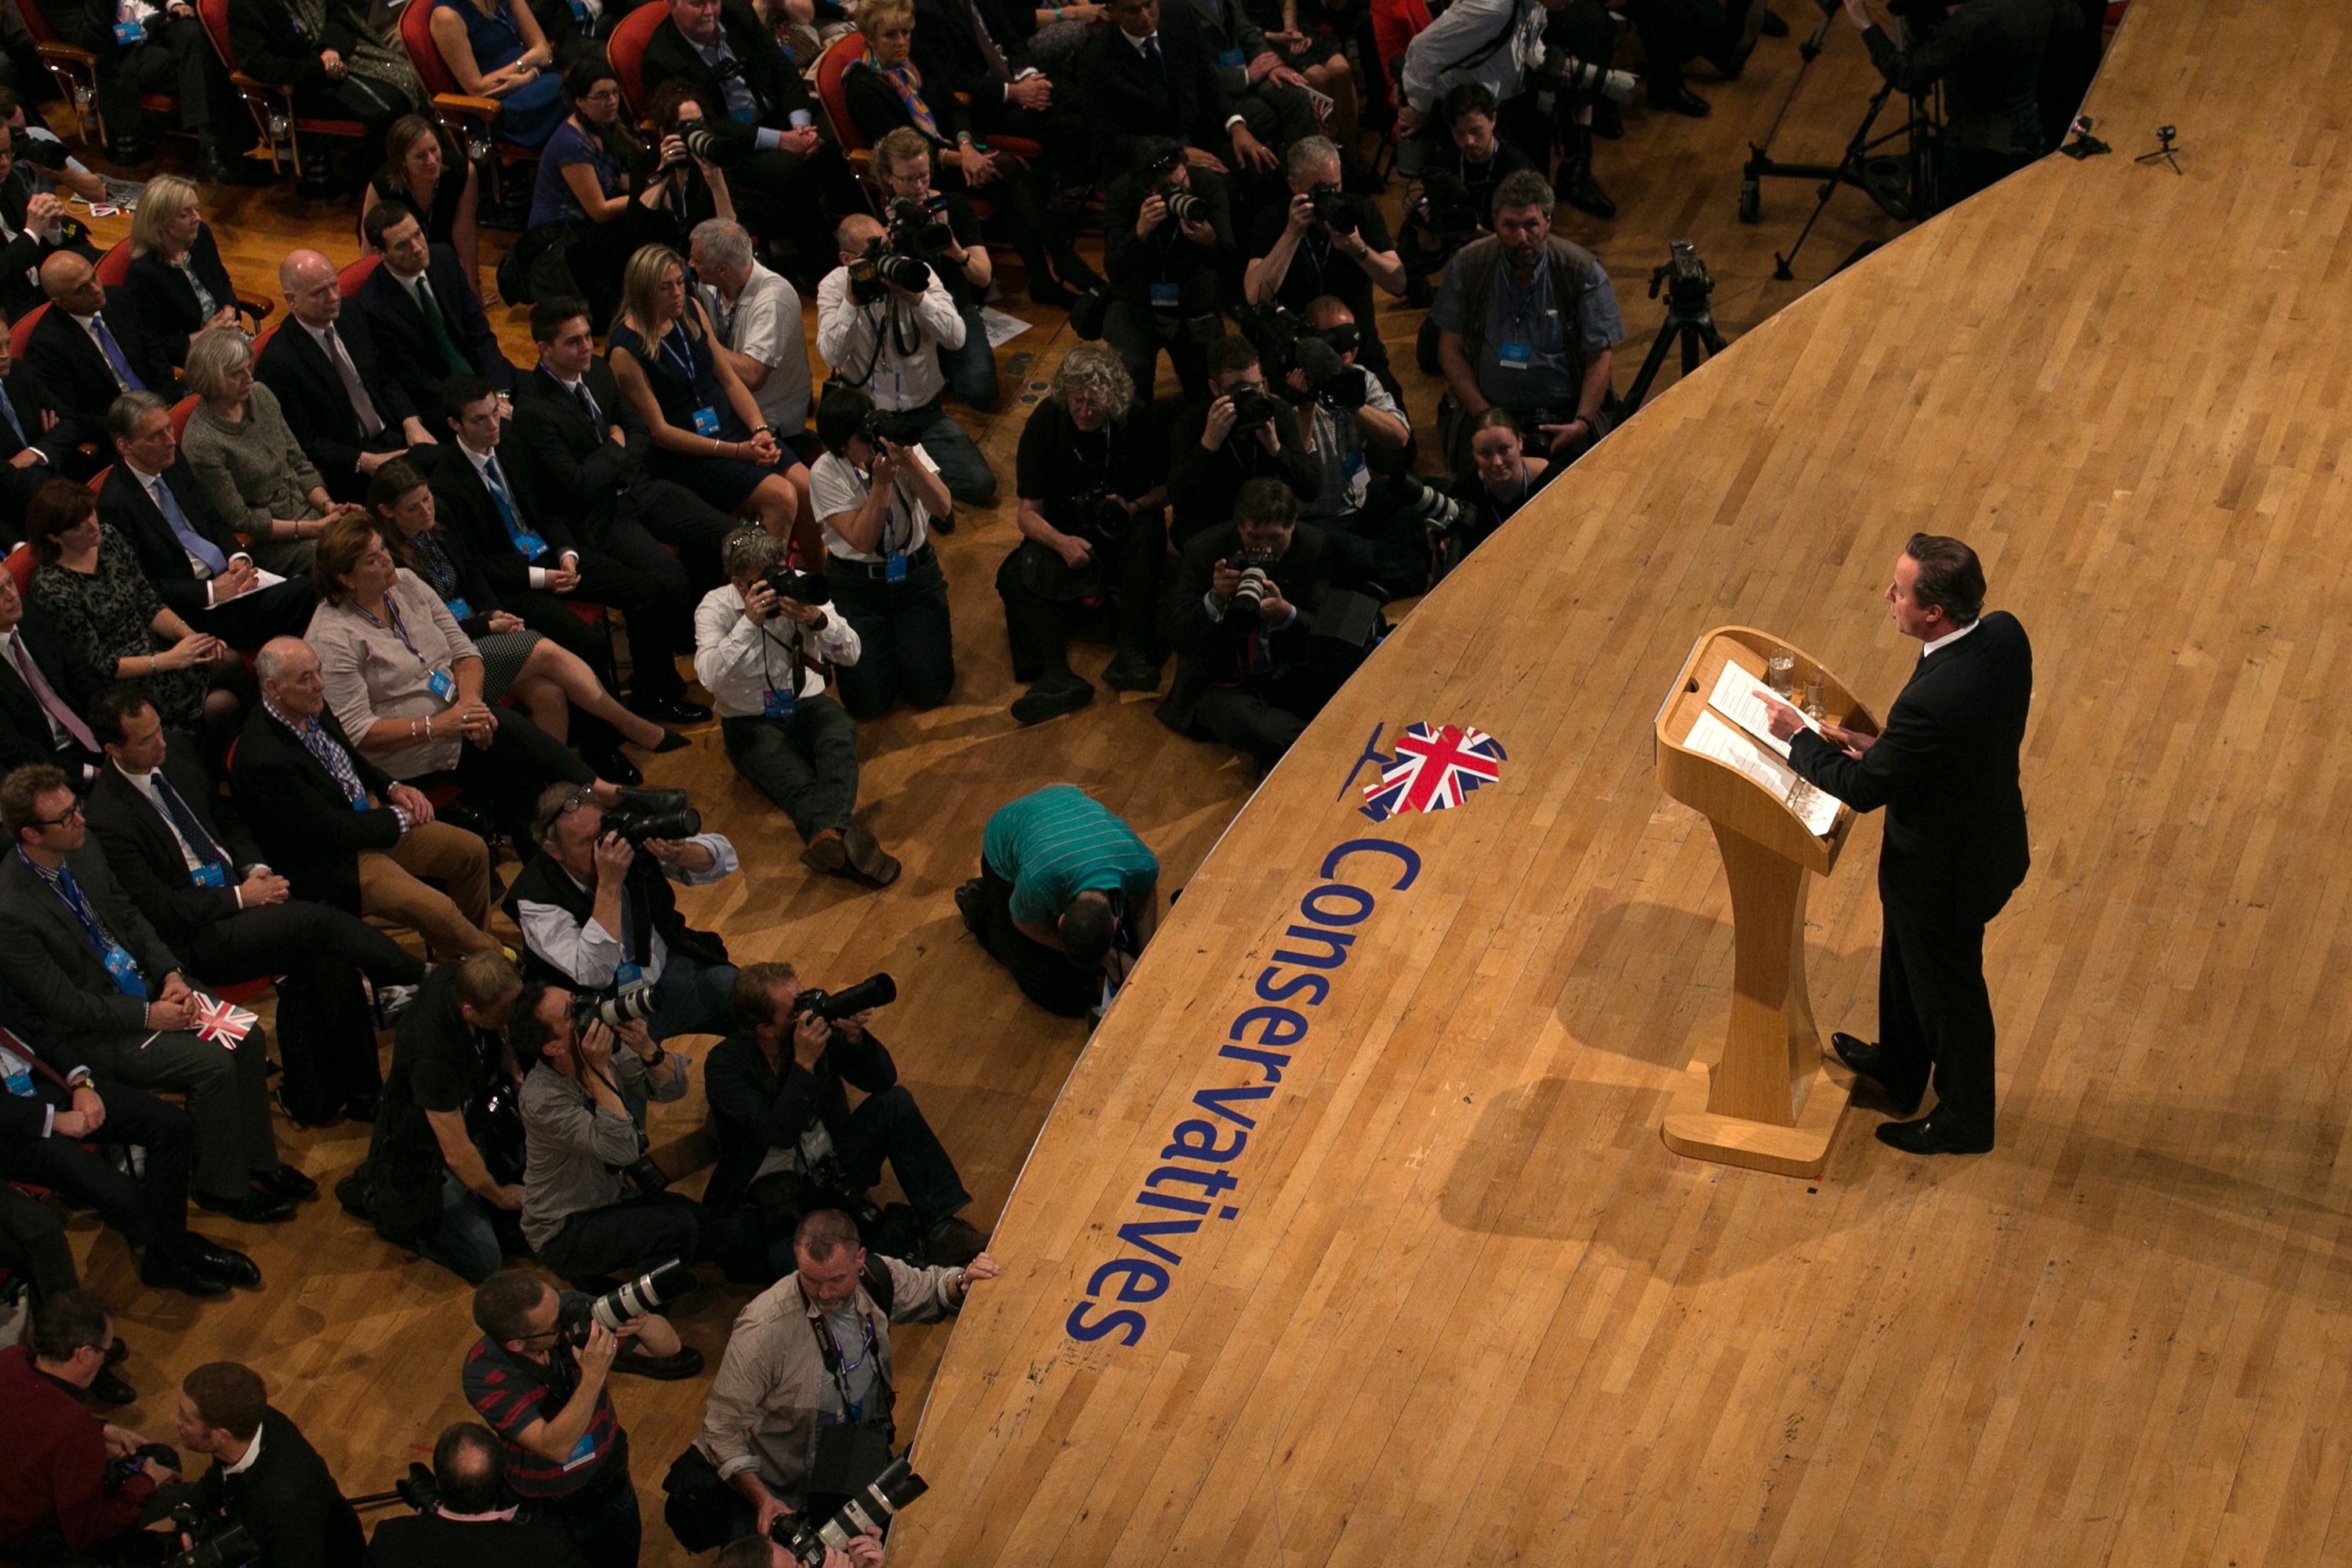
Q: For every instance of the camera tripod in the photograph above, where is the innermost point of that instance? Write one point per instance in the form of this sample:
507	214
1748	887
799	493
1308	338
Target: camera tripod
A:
1689	321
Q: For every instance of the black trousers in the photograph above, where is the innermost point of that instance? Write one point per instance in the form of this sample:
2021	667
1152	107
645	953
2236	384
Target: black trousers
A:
507	774
244	623
628	1237
1935	1014
602	1517
1039	625
1675	32
178	58
1263	716
33	1245
889	1126
633	574
789	197
326	1038
150	1210
675	516
1045	974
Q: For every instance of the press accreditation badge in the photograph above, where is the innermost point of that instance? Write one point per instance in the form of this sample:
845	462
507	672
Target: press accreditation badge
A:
210	875
1166	297
894	567
459	609
776	705
1515	356
705	422
443	684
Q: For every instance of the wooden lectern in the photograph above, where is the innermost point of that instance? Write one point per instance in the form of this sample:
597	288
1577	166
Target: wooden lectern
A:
1773	1102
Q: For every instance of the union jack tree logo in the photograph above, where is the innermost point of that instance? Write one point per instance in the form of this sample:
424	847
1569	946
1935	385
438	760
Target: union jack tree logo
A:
1433	770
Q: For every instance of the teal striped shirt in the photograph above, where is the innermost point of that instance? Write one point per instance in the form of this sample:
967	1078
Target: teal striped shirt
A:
1054	843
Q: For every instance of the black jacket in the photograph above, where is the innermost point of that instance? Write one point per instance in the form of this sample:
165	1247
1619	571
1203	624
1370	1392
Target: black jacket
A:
948	54
26	1116
754	1110
652	905
24	734
62	445
144	855
408	353
1133	263
466	509
1202	484
1208	653
428	1541
307	829
271	45
579	469
288	1501
473	582
1945	767
319	412
167	308
21	258
50	959
776	88
875	109
76	374
126	508
1124	96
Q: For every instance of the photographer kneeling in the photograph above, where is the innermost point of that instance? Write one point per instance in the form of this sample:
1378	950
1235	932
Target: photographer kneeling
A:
1168	238
1246	601
1458	199
1091	473
1237	435
596	913
265	1478
471	1522
787	1138
537	1376
1375	526
879	494
801	1412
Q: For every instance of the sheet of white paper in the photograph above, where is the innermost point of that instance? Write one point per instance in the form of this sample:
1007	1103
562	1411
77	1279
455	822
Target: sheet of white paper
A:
261	579
1710	736
1739	697
1001	327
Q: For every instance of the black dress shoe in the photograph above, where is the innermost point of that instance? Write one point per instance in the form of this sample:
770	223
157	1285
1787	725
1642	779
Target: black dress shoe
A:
117	1350
171	1274
1051	698
1130	670
1869	1061
285	1182
684	1363
671	741
968	905
607	763
359	1107
109	1389
225	1261
1682	101
254	1208
668	709
1076	274
219	165
1932	1135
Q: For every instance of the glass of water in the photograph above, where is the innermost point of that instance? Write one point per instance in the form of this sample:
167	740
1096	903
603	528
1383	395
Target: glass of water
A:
1781	672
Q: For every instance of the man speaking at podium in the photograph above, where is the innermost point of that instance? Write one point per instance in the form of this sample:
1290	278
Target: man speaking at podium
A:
1945	767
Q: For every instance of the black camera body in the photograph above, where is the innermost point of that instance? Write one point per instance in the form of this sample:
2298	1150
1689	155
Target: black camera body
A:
1095	513
919	231
1333	210
801	587
871	1509
889	425
1683	277
214	1541
871	275
636	825
1251	407
874	991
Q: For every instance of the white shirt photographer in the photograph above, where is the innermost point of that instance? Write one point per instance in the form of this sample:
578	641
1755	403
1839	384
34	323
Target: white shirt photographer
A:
590	955
909	332
837	485
1491	42
740	660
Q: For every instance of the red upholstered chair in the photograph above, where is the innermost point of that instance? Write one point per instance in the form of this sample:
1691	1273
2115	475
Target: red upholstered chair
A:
471	119
98	479
626	51
20	567
349	279
179	411
271	106
830	66
20	336
261	339
114	271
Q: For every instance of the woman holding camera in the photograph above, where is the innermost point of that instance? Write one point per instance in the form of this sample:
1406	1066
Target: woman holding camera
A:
699	189
596	202
708	433
876	500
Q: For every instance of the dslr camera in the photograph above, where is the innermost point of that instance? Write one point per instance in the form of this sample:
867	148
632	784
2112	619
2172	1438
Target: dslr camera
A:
917	230
872	1508
1185	205
801	587
637	824
721	145
874	991
1332	209
884	425
1580	81
216	1544
612	1008
872	274
1251	593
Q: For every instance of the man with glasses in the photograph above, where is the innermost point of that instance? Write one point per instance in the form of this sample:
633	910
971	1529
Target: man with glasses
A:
56	1500
98	979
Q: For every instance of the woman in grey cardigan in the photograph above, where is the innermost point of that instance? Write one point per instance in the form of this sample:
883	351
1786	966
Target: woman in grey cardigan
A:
251	467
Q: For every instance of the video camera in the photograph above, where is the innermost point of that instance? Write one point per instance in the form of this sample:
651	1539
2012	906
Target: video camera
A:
1684	277
648	1293
872	1508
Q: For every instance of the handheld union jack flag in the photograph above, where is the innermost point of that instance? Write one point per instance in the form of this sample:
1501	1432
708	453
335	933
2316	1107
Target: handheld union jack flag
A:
222	1023
1433	771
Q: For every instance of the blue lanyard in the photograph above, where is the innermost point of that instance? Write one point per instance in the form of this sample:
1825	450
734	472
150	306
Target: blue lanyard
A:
398	630
687	360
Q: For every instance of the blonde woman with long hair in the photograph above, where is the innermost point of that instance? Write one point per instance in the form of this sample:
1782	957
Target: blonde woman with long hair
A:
177	285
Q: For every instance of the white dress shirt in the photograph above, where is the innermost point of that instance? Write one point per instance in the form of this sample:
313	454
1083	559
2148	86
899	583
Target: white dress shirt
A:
837	486
1947	639
481	461
741	661
764	324
906	372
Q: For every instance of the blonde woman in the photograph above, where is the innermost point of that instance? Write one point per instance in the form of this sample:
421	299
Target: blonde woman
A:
177	285
252	468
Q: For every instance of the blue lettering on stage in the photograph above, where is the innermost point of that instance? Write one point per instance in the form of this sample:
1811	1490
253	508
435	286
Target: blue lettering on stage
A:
1208	1148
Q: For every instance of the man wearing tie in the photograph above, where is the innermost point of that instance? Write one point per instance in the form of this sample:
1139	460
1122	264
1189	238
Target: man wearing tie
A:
184	856
428	324
38	441
44	689
347	415
86	357
33	227
1945	767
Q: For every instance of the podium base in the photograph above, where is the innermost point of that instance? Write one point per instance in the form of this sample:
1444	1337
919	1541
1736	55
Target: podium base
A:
1695	1132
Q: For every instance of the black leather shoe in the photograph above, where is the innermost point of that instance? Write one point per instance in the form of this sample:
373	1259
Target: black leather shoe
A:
286	1182
686	1364
607	763
1864	1058
109	1389
218	166
668	709
967	903
170	1274
1929	1136
1130	670
254	1208
117	1350
1051	698
1682	101
671	741
867	857
225	1261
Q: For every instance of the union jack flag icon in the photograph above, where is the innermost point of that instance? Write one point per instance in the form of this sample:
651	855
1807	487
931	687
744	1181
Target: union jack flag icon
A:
222	1022
1433	771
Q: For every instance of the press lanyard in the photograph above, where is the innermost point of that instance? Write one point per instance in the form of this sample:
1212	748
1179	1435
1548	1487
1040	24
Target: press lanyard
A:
840	1368
685	360
397	629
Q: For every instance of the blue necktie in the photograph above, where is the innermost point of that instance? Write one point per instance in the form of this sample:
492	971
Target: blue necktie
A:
8	407
194	544
114	351
498	486
191	830
119	964
1151	53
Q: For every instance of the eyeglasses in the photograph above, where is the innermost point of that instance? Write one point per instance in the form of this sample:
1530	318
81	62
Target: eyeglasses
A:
603	95
73	814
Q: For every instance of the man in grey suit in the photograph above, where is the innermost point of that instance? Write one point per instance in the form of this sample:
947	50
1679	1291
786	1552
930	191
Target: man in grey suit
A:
99	979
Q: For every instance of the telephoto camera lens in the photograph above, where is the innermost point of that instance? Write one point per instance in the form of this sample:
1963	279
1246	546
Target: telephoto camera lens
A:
1438	512
647	1293
1184	205
636	826
905	272
873	1508
874	991
632	1005
1251	593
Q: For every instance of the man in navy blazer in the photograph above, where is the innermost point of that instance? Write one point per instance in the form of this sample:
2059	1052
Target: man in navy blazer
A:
86	355
1945	767
428	324
348	424
38	441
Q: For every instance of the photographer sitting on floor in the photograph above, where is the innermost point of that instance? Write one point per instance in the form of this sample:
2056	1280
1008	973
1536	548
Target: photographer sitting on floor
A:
1168	240
596	908
1374	526
1325	242
472	1523
265	1478
1457	201
787	1138
1237	435
68	1492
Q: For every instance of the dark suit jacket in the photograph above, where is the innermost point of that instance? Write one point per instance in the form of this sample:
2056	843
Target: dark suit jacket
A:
166	306
754	1109
1125	97
20	258
473	582
304	824
318	410
948	55
1208	652
26	1116
272	46
288	1499
76	374
408	353
62	445
125	507
466	510
47	957
775	85
24	734
1945	767
875	109
428	1541
579	470
144	855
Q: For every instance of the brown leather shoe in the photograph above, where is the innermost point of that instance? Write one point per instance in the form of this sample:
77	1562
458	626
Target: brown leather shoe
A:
866	857
826	852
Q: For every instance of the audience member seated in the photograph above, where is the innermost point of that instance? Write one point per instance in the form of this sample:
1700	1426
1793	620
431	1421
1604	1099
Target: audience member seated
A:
160	47
884	92
1058	34
89	590
784	1402
187	546
1377	545
790	1145
758	654
977	51
755	319
424	168
884	340
1154	73
1457	200
348	415
98	982
265	1475
902	171
595	1205
536	1377
530	557
1271	95
443	1170
40	1263
53	1105
793	175
184	856
700	188
340	829
87	355
38	441
428	325
1166	272
1506	477
1325	243
46	686
596	913
1314	50
61	1496
474	1522
547	680
877	500
335	63
1091	474
1504	336
406	685
1066	898
246	462
1215	450
600	192
1242	677
33	225
176	285
495	49
45	164
588	451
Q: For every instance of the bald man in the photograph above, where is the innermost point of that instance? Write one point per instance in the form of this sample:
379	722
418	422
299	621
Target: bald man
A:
348	415
86	354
